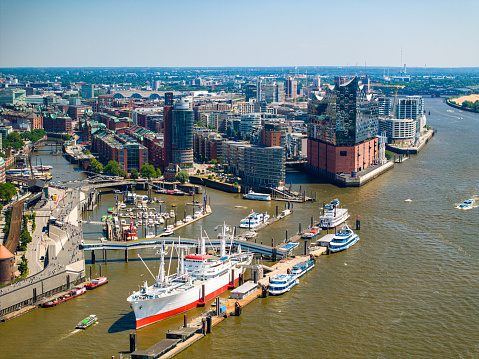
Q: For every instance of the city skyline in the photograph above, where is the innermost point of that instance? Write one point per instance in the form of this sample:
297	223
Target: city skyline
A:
219	34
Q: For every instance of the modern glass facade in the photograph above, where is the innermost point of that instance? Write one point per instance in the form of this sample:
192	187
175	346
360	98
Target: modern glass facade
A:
182	135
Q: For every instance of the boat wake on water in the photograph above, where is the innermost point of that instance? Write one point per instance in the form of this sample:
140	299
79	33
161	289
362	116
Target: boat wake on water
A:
470	203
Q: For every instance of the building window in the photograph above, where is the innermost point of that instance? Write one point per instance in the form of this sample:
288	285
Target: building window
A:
343	153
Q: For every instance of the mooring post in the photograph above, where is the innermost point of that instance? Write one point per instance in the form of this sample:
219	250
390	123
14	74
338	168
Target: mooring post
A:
100	270
276	211
217	306
133	342
185	321
104	255
126	255
286	235
312	221
274	255
299	228
358	223
209	324
93	256
90	273
305	247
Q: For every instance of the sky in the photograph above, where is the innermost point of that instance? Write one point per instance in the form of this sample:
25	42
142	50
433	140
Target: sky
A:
204	33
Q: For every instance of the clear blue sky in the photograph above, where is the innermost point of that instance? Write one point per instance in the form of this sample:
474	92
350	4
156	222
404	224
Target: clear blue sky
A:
42	33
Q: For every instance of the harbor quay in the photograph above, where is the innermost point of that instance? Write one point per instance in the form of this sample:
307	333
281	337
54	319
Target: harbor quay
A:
197	328
56	263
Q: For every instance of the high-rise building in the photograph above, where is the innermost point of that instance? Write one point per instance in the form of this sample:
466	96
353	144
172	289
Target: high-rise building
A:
179	135
342	129
410	107
87	91
291	87
250	92
384	106
168	98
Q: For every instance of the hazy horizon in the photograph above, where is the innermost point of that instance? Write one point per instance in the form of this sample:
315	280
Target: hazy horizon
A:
216	34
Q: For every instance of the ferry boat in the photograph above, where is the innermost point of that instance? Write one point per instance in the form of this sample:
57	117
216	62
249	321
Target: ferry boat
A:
257	196
43	168
333	215
88	321
74	293
97	282
199	278
467	204
303	267
313	232
343	239
253	220
282	283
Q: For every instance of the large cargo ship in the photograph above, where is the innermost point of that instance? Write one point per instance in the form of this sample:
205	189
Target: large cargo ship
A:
199	278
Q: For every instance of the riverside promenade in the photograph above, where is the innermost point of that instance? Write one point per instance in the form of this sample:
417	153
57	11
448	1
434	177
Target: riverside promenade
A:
55	262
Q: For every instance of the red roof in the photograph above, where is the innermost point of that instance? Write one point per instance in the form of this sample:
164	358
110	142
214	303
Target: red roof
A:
198	256
4	252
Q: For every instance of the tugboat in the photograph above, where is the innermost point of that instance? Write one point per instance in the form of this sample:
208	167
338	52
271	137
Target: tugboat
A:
88	321
303	267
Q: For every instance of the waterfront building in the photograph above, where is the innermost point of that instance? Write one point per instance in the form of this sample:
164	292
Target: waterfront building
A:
342	129
412	107
57	122
87	91
13	97
178	122
22	119
120	148
398	130
207	144
257	165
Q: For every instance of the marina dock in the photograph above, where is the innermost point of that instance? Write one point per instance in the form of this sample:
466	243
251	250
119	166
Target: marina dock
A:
178	340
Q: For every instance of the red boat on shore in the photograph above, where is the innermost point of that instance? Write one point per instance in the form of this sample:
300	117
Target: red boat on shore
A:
74	293
97	282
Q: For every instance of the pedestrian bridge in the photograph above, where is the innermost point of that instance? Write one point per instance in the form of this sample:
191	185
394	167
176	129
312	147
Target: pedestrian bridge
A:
157	242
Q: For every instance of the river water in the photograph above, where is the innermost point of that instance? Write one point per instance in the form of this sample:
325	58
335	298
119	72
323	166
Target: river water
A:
408	288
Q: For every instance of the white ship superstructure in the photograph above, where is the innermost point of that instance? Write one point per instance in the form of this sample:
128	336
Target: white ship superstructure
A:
199	278
333	215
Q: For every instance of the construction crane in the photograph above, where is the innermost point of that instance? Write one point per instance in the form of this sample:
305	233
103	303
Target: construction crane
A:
395	94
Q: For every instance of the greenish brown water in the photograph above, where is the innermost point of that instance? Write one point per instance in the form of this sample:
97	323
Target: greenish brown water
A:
408	288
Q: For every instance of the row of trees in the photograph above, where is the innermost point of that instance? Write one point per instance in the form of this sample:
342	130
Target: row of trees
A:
34	135
473	106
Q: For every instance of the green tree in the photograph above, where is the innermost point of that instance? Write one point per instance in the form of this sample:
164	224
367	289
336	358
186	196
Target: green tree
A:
158	173
66	137
198	171
148	171
112	168
182	177
87	152
14	141
123	174
23	266
388	155
214	161
7	191
134	174
96	166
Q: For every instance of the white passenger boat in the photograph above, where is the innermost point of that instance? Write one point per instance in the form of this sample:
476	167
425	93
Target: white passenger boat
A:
282	283
333	215
303	267
257	196
199	278
253	220
343	239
